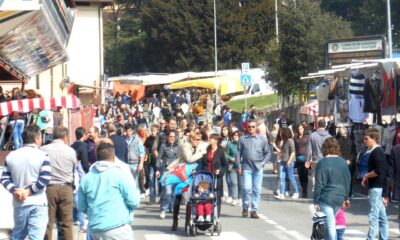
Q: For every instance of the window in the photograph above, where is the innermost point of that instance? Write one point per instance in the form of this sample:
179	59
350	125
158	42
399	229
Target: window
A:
255	89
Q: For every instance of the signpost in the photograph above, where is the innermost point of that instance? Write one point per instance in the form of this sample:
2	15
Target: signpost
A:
245	80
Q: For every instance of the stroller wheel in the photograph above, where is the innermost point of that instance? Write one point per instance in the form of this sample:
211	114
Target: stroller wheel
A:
219	228
191	230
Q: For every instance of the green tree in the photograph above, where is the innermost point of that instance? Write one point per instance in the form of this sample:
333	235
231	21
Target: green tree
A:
123	38
180	34
303	33
367	17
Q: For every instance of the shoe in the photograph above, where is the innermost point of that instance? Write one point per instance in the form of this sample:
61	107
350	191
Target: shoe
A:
200	219
229	200
234	202
245	212
287	194
254	215
162	215
240	202
295	195
208	218
147	193
280	197
142	196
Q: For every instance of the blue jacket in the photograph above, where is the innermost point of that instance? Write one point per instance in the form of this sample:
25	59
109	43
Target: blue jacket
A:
108	195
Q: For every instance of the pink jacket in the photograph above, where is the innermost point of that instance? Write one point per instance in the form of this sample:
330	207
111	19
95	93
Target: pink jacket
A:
340	219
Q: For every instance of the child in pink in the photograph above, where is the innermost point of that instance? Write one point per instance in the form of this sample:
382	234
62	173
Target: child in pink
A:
340	224
203	209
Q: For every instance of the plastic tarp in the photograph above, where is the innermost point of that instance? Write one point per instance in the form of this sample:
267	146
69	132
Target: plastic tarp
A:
225	84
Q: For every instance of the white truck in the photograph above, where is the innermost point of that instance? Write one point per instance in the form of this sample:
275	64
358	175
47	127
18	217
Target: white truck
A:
258	87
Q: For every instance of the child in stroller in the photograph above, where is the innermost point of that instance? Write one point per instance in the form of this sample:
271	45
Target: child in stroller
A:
201	209
204	208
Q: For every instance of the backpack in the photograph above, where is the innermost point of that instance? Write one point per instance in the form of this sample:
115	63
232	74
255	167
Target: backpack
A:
319	226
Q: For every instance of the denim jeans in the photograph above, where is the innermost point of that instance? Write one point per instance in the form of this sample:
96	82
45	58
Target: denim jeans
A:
377	215
232	182
167	197
80	216
17	133
340	233
153	182
120	233
252	182
289	171
30	220
330	212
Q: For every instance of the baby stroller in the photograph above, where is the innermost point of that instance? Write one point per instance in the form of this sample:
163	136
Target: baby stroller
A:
192	223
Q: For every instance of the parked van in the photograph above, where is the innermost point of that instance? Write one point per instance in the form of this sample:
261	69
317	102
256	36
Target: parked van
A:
258	88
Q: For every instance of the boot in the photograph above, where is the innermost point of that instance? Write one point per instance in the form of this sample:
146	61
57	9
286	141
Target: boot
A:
174	225
175	213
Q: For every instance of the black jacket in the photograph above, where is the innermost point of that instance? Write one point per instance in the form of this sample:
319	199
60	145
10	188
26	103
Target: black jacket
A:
82	154
219	161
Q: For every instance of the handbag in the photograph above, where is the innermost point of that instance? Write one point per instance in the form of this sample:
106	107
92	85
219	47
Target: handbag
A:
319	226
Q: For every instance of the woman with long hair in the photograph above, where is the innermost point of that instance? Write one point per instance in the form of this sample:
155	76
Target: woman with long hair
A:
286	166
300	142
214	161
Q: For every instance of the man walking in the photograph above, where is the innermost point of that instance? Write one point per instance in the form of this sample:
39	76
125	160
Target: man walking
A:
107	196
60	189
314	147
376	178
26	173
253	152
120	146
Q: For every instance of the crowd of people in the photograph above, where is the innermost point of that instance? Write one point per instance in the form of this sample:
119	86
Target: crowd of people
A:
110	167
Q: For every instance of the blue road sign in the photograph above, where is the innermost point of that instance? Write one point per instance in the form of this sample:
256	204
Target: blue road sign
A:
245	80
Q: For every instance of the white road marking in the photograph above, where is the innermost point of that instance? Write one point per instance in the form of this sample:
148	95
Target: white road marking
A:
354	234
394	230
227	236
286	235
164	236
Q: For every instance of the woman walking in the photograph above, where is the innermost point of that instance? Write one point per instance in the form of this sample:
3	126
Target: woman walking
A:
232	177
286	165
214	161
332	185
301	141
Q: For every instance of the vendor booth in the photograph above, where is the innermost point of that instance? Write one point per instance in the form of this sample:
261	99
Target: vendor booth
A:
225	84
362	94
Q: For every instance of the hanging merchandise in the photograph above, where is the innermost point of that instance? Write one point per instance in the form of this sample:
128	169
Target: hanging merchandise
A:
357	82
322	93
357	135
342	100
398	91
356	106
388	135
373	92
389	96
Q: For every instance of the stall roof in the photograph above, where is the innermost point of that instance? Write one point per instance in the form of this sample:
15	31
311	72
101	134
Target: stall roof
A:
166	78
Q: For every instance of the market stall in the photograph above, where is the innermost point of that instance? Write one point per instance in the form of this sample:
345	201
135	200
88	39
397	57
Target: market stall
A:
225	84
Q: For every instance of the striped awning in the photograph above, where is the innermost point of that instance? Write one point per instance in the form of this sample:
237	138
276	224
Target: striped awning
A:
28	105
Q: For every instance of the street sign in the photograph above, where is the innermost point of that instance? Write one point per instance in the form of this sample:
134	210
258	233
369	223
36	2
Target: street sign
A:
245	80
245	68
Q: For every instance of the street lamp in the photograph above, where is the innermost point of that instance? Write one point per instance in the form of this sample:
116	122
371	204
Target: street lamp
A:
216	83
389	20
276	17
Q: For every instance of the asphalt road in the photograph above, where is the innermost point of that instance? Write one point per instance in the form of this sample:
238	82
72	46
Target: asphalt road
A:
280	219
